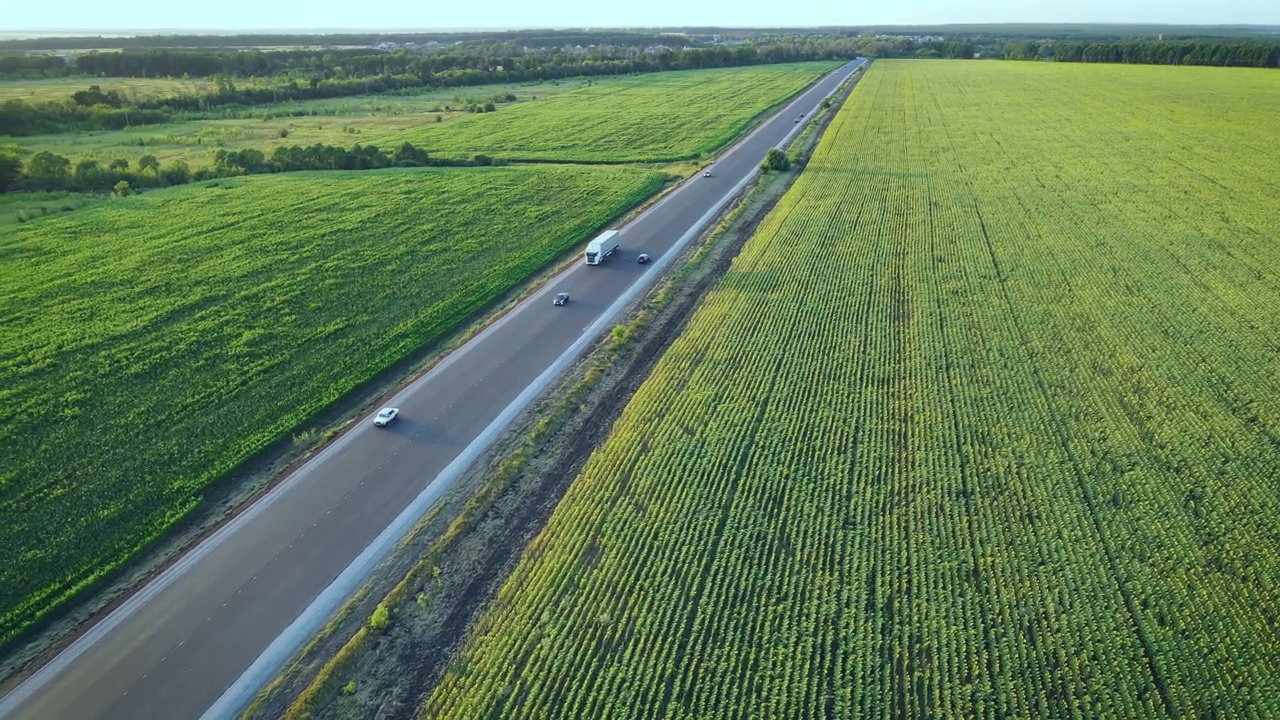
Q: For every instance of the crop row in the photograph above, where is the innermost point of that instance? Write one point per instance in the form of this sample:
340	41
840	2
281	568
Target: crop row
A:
150	344
981	423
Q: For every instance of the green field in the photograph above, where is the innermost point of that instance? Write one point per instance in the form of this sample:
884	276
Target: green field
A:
59	89
340	121
983	423
659	117
149	344
20	207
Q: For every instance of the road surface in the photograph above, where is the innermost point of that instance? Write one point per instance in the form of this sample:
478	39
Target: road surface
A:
202	637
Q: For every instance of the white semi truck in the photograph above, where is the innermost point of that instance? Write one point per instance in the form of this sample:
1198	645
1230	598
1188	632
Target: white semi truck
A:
602	247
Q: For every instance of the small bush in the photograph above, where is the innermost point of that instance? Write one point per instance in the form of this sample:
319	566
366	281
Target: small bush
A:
775	159
380	619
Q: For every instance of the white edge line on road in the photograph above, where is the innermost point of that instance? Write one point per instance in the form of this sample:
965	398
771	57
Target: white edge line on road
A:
241	692
14	699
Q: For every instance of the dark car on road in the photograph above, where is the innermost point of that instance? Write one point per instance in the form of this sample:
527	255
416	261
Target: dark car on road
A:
562	298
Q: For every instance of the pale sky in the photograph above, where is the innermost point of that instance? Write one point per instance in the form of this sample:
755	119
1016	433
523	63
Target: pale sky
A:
408	15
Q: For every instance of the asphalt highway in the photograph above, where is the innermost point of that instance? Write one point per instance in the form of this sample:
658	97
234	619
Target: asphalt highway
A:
206	624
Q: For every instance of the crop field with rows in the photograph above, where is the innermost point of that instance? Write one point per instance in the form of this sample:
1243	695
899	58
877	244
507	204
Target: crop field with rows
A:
149	344
659	117
983	422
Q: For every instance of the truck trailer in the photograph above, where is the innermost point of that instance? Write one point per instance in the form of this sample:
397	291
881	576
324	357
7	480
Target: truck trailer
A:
602	247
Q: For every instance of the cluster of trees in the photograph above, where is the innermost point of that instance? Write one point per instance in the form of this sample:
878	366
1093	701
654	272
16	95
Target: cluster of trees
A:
1162	52
23	66
519	61
49	171
332	157
775	159
21	118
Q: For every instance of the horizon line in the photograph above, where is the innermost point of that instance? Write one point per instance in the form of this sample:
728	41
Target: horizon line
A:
335	30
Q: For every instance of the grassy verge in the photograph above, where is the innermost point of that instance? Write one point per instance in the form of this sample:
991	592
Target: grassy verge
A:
391	642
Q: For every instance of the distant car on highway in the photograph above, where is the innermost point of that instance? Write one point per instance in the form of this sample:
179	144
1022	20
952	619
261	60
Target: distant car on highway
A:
706	173
562	298
385	416
643	258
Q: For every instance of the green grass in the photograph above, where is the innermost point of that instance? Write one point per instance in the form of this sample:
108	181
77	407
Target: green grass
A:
658	117
338	121
59	89
982	423
18	208
150	344
195	142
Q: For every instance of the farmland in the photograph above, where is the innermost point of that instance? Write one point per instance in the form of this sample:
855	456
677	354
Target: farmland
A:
981	423
149	344
59	89
341	121
659	117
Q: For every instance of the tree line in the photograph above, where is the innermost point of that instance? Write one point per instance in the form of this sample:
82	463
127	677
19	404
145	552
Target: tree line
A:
50	171
371	62
540	38
1159	52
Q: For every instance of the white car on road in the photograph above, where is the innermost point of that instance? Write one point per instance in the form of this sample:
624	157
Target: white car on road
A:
385	416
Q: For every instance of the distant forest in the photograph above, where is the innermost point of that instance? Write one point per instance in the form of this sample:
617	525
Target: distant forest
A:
366	64
1165	52
691	36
